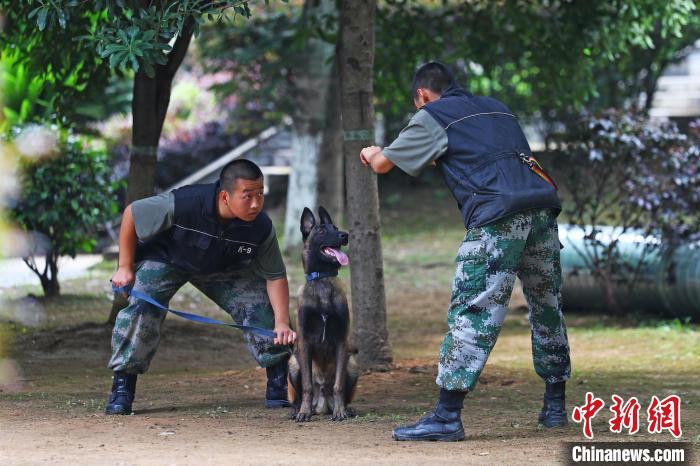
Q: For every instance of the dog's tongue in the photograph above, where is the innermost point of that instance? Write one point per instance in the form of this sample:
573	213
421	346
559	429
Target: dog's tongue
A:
340	256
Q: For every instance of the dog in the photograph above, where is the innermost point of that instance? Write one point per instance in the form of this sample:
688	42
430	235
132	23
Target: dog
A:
322	372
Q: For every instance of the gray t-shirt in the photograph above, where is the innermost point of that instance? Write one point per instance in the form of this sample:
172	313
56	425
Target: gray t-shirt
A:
154	214
418	145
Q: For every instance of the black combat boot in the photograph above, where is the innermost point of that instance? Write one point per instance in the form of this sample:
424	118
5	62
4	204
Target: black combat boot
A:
553	412
276	392
123	391
443	424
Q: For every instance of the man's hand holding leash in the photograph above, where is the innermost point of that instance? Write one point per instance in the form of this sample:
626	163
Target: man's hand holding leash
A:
285	335
124	276
278	292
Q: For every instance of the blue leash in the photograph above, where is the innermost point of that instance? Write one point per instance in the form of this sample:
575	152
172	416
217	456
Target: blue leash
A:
186	315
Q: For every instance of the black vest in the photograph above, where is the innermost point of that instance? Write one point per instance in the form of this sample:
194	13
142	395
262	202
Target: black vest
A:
198	242
483	165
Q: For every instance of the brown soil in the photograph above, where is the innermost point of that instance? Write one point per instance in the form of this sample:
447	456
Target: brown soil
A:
202	402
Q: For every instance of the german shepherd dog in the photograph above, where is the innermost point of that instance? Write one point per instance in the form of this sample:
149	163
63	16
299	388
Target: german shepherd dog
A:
322	373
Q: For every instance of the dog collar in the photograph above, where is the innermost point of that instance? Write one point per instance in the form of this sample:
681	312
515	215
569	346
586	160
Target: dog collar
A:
316	275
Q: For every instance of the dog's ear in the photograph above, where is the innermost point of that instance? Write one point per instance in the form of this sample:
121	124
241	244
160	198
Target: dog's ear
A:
324	216
308	221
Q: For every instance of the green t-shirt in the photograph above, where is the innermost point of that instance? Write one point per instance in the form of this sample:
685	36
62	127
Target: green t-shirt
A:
154	214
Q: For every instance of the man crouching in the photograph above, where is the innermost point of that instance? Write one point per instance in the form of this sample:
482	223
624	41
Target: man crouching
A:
216	237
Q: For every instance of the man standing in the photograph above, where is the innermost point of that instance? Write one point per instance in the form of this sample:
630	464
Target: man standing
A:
216	237
509	207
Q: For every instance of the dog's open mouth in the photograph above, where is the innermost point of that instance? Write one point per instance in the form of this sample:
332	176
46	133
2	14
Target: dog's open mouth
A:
336	254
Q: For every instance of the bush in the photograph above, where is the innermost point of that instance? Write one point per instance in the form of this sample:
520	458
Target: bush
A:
622	170
64	199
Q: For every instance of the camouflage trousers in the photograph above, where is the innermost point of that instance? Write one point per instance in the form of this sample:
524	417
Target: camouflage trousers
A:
524	244
242	294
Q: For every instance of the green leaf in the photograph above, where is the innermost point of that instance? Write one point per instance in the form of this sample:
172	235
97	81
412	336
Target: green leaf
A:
111	48
132	31
11	115
122	35
33	12
114	60
62	18
41	18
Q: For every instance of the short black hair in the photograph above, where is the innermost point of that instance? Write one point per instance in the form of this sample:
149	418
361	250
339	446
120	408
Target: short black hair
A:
433	76
239	168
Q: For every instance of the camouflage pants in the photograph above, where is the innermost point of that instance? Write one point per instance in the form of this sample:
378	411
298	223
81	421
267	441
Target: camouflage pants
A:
242	294
524	244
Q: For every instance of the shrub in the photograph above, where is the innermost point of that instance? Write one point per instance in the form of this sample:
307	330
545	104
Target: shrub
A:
621	169
64	199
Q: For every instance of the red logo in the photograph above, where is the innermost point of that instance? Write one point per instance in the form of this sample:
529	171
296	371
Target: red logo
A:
665	415
661	414
587	412
626	415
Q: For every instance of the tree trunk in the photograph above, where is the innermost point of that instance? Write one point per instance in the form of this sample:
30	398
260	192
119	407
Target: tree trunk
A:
650	81
356	60
51	287
301	191
149	106
311	89
49	279
145	135
331	182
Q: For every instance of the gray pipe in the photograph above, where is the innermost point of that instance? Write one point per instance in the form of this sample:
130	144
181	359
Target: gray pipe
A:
669	286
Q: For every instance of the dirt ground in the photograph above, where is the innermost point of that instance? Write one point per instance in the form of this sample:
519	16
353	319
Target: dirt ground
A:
201	403
202	400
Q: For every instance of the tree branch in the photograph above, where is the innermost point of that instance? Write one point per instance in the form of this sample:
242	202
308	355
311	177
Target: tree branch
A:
46	265
31	263
182	43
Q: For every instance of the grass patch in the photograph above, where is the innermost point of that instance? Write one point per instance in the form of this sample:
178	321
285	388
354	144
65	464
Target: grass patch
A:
106	265
630	355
